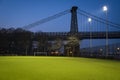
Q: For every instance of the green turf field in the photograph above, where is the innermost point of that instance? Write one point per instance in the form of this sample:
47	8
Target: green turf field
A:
58	68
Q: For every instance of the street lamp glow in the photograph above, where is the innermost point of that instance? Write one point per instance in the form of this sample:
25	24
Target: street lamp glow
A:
101	50
89	20
105	8
118	48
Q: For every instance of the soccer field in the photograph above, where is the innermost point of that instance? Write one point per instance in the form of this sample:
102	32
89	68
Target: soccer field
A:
58	68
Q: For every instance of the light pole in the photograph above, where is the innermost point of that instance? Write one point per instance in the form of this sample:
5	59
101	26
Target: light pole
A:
90	20
26	50
118	50
105	9
101	51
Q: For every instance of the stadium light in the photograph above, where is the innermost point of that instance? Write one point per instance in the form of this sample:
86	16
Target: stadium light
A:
90	20
118	48
101	49
105	8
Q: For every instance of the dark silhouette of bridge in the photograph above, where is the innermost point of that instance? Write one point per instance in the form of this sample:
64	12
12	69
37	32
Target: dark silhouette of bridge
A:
74	26
81	35
100	33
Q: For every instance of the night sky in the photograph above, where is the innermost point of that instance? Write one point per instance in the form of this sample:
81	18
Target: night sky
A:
18	13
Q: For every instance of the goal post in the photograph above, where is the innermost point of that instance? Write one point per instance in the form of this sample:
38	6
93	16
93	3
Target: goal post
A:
40	53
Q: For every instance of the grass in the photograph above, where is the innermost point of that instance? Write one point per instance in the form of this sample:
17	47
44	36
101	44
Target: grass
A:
58	68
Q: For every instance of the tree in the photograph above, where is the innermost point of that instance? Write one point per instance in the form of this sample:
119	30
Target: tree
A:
72	46
57	44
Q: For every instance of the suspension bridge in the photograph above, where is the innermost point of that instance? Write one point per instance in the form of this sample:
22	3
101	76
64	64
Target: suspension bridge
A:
97	28
97	22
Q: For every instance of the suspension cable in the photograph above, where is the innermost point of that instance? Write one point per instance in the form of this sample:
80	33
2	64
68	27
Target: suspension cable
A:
46	20
98	18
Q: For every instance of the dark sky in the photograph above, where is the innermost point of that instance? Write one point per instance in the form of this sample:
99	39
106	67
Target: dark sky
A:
18	13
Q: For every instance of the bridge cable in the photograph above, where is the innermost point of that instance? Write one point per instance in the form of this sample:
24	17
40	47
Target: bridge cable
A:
84	13
97	17
100	21
46	20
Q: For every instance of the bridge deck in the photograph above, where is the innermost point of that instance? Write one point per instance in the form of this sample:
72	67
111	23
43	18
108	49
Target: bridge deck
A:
81	35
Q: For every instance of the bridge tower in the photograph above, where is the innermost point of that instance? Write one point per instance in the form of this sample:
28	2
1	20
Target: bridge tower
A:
73	48
74	23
